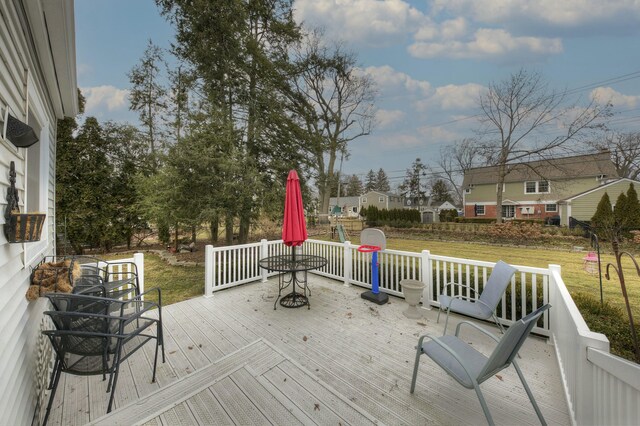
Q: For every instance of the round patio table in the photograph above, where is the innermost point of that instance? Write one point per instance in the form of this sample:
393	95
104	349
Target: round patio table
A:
290	267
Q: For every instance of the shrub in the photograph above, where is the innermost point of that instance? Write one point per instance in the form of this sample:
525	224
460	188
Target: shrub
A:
608	320
448	215
515	231
474	220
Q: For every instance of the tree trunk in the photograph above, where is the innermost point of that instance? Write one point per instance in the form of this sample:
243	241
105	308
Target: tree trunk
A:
193	233
176	237
243	233
501	176
228	224
213	228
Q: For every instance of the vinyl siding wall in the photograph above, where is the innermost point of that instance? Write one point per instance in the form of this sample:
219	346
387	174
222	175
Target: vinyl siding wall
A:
584	207
515	191
23	353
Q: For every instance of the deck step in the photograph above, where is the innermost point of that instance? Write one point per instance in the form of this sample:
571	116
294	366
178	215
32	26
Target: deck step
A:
246	386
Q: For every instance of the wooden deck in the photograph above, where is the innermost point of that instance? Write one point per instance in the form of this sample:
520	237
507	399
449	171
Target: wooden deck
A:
232	359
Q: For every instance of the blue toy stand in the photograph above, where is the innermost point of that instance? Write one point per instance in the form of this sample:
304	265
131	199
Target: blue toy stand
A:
374	294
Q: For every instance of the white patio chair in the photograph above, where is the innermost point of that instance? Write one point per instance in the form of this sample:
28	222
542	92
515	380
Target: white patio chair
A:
482	307
469	367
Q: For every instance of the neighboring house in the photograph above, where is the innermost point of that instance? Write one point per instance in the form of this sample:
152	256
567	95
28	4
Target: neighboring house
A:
38	86
382	200
429	209
533	190
345	206
583	206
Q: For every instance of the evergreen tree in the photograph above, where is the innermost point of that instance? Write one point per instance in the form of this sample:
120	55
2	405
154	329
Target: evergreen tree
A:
412	186
147	94
370	182
440	191
353	186
382	181
633	208
603	220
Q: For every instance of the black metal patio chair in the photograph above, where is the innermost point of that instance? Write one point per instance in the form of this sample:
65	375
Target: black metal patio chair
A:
94	335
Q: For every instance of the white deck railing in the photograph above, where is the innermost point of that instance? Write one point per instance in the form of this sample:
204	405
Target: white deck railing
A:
122	269
601	388
235	265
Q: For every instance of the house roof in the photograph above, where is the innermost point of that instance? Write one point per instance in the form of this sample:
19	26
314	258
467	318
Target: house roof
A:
52	26
589	165
589	191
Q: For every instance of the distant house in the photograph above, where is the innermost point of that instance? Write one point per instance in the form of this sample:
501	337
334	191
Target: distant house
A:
535	189
429	209
382	200
345	206
583	206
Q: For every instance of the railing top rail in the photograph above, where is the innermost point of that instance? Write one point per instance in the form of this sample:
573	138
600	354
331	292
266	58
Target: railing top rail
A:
226	248
520	268
328	243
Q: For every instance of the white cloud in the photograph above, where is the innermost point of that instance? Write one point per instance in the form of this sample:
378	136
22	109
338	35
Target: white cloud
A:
607	14
371	22
395	82
607	94
109	97
386	118
437	134
487	43
453	97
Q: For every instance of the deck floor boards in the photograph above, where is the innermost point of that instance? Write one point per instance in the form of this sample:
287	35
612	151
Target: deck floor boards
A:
361	353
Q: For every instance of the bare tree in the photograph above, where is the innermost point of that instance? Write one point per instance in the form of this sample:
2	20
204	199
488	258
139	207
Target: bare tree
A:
625	152
455	160
517	116
337	106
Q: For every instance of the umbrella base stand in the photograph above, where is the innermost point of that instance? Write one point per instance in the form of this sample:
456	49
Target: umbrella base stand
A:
378	298
294	300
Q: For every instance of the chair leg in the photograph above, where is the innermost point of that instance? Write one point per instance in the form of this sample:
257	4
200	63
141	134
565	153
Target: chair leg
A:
439	312
530	394
415	368
53	373
483	403
115	381
155	361
58	372
446	322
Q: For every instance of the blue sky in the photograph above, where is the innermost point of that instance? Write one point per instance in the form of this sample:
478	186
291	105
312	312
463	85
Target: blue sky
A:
430	60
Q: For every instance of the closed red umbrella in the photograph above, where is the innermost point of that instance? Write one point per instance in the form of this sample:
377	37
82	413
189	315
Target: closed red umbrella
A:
294	228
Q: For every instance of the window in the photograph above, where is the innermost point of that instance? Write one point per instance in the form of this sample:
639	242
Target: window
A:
537	187
504	188
381	199
530	187
364	200
354	209
550	207
543	186
479	210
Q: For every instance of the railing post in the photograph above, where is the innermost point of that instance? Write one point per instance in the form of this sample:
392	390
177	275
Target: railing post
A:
208	271
138	260
425	265
348	263
264	251
552	297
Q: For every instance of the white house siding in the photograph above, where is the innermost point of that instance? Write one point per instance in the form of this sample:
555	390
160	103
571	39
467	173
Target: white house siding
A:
25	85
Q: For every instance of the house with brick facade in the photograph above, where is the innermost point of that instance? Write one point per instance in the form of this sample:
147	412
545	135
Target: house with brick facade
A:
535	190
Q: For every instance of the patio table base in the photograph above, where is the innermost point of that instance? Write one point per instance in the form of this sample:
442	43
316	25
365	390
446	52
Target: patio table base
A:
294	300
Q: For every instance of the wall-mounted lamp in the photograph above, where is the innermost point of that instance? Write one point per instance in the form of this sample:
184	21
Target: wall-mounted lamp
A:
18	133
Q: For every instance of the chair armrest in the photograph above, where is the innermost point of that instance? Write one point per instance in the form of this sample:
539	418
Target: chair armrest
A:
477	327
460	285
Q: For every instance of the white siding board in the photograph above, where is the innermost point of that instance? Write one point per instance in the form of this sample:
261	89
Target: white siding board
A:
20	321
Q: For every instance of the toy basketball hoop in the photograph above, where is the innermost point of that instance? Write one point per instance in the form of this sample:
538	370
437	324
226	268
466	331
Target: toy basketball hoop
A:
373	241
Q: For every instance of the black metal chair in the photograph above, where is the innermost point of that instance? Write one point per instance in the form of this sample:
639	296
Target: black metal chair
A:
94	335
